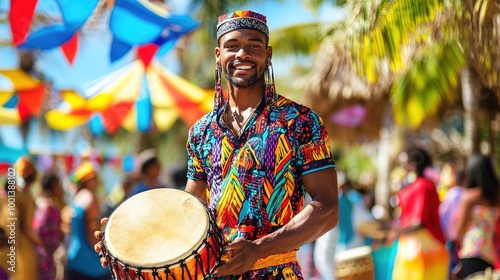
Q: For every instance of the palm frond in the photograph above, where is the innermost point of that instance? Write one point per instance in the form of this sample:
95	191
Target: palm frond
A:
385	35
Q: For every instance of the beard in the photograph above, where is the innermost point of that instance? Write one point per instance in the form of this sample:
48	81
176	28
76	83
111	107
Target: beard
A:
243	83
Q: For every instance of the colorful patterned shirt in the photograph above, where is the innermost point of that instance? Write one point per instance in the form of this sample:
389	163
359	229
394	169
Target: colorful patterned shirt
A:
254	180
478	241
47	225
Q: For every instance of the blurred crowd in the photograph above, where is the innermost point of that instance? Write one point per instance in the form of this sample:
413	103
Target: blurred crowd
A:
444	221
56	215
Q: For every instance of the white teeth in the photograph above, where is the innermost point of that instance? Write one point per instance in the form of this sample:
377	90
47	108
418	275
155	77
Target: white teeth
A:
243	67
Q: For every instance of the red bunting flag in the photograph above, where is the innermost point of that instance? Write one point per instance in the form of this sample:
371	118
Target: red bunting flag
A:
146	53
20	16
70	48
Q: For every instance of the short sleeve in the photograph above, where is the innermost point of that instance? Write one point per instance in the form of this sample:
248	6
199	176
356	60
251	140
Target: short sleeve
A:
314	145
195	164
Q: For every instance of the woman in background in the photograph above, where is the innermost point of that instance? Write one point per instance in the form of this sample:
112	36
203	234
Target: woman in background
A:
83	262
478	214
47	225
453	181
421	251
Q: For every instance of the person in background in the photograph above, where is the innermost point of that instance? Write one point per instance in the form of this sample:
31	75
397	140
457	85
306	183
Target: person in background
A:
120	193
26	238
150	169
359	215
83	263
344	237
47	224
453	181
479	211
421	252
324	250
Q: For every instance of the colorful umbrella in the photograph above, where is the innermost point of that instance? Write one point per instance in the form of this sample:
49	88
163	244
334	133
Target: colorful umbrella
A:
133	97
21	96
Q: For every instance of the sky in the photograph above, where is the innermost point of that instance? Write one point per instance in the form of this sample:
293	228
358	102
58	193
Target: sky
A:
92	60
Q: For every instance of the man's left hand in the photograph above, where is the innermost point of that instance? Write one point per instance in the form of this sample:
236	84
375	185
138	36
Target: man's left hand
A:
243	255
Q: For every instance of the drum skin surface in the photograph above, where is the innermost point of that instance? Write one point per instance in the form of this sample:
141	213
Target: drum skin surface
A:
156	227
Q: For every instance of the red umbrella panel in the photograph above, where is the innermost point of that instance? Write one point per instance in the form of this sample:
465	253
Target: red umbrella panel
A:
21	96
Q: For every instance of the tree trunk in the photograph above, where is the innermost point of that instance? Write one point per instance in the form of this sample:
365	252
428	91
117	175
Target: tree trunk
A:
382	189
470	94
388	136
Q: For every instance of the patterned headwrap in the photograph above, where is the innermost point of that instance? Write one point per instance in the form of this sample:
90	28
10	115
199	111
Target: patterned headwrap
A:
241	20
244	20
83	173
24	167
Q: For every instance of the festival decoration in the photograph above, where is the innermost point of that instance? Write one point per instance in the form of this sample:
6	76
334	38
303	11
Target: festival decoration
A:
74	13
350	116
134	97
20	16
139	22
132	23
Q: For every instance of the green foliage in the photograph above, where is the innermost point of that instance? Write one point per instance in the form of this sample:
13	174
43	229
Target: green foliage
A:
385	29
359	161
431	83
301	39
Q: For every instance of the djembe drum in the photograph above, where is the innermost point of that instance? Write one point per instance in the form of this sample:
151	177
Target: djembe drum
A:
355	264
488	274
162	234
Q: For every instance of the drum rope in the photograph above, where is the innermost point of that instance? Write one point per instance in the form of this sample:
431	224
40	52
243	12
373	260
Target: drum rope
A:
214	243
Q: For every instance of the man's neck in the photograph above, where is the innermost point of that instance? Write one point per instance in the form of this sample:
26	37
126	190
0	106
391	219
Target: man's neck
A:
244	98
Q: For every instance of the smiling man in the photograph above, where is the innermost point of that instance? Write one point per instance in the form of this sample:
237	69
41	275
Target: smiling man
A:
253	158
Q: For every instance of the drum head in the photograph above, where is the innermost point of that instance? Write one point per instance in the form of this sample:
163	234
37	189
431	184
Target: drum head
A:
156	227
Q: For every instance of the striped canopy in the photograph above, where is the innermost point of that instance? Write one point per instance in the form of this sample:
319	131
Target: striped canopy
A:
134	97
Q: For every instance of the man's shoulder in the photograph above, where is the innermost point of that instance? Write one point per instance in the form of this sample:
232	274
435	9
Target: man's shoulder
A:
293	107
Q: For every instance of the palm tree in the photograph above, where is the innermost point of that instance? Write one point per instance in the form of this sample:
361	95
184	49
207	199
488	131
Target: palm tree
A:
412	54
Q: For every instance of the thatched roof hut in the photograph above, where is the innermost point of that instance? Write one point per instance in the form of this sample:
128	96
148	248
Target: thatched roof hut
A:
335	84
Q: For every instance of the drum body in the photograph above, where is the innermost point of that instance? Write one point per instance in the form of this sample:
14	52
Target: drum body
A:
485	275
162	234
355	264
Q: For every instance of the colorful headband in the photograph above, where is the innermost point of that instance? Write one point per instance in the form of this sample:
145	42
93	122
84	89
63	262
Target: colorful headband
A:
83	173
241	20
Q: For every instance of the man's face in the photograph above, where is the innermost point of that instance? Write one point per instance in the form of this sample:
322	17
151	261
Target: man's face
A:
242	55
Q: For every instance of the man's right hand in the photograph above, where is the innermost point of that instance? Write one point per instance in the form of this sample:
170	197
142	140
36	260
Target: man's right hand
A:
98	245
